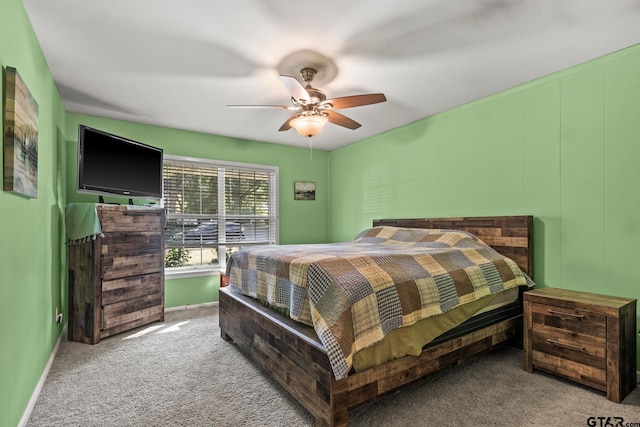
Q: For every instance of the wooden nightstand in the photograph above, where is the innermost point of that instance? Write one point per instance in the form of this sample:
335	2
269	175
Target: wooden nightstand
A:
584	337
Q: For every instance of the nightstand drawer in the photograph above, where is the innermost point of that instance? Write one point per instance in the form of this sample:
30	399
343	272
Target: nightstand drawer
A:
579	372
576	322
580	348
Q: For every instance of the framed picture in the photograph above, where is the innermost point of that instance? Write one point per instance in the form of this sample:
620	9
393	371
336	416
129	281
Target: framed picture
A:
20	137
304	190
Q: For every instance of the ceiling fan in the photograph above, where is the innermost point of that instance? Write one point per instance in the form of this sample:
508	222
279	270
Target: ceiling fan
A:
313	108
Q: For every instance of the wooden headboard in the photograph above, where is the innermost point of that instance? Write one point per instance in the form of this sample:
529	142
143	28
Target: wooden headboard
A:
509	235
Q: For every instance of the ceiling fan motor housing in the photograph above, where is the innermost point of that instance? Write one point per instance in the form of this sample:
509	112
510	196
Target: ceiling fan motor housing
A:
316	95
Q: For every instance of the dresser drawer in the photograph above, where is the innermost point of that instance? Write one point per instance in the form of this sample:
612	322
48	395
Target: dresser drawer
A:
114	291
138	242
131	313
149	220
115	266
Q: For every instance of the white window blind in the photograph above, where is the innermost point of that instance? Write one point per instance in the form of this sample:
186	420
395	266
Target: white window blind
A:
215	208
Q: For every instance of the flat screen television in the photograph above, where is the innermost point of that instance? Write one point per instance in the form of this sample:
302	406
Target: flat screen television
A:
112	165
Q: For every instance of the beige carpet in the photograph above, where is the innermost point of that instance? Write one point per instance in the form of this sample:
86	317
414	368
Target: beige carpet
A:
181	373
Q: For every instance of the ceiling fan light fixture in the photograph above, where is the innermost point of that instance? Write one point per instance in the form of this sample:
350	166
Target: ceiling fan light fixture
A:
309	124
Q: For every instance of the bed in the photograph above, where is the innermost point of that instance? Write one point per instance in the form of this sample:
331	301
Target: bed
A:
328	386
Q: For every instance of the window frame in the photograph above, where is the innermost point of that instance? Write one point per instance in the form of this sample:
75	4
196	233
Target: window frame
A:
215	269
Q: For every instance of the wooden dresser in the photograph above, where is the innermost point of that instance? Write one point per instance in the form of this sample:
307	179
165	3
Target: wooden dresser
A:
116	282
584	337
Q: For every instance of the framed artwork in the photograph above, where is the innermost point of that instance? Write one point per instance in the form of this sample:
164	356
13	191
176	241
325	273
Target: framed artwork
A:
20	137
304	190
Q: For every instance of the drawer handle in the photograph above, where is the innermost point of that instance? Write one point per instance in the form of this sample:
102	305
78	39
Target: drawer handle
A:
569	346
579	316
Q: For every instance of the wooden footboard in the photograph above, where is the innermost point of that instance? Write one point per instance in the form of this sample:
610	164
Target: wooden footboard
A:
293	356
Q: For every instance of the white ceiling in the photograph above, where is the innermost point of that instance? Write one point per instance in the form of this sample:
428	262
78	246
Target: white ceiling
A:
180	63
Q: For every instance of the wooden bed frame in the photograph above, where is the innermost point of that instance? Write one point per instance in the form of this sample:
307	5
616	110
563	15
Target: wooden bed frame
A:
296	359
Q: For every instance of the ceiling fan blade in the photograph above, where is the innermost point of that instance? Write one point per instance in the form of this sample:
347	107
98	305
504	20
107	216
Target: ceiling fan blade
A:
276	107
340	120
355	100
294	87
286	125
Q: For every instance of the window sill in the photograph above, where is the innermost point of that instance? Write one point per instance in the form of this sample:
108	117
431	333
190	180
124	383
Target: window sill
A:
192	272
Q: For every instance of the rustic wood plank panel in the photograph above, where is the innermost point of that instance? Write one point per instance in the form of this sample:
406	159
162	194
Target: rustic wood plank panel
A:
150	315
585	354
247	327
528	334
132	243
570	365
115	266
82	298
627	344
130	310
566	335
571	374
614	365
139	287
578	321
411	368
120	218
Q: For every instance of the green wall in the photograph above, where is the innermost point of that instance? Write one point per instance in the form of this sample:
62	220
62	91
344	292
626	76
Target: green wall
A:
300	221
32	253
565	148
191	290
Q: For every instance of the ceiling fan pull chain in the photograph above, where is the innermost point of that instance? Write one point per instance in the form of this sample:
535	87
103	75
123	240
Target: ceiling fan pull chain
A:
310	149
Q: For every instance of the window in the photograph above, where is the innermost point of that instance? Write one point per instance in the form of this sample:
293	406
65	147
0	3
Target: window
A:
214	208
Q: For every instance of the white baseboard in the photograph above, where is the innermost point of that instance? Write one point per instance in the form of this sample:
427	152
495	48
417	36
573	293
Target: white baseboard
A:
36	392
190	306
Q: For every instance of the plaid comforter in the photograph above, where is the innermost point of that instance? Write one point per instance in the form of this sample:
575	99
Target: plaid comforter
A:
354	293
